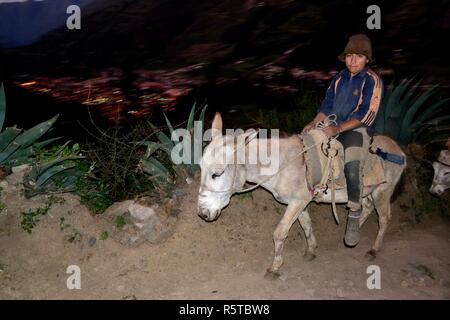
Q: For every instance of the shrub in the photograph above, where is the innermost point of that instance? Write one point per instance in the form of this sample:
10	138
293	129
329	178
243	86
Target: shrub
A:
407	115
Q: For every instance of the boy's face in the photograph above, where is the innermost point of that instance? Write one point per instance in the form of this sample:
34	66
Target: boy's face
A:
355	62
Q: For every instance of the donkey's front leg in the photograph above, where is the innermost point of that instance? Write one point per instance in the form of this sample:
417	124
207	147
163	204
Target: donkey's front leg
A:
292	212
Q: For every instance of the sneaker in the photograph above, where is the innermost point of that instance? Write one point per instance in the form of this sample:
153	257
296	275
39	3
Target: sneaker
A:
352	233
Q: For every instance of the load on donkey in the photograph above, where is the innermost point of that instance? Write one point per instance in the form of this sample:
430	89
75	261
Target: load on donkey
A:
329	162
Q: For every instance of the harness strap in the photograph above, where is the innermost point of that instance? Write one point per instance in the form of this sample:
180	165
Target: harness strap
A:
443	163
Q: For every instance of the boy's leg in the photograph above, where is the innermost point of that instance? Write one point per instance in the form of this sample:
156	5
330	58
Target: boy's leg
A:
356	145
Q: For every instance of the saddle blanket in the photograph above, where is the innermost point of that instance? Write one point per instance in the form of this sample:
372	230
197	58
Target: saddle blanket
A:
316	161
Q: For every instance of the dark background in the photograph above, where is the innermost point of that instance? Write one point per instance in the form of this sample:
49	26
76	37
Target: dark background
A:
248	52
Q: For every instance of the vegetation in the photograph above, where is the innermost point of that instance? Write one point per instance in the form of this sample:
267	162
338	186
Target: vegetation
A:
94	193
30	218
17	147
125	162
304	108
120	222
104	235
56	169
163	173
408	115
48	167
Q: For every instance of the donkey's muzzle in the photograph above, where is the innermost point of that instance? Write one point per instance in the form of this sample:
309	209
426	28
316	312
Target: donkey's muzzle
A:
437	190
207	215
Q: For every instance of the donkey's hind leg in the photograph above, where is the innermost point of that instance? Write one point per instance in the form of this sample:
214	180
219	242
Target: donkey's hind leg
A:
305	222
382	203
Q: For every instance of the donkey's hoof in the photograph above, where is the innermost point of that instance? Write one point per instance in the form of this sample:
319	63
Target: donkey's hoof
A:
371	255
272	275
308	256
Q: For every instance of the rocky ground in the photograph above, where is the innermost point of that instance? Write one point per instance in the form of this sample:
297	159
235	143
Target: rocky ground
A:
226	259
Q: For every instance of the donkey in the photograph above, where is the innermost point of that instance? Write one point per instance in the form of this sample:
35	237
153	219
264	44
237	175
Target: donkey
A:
441	179
288	185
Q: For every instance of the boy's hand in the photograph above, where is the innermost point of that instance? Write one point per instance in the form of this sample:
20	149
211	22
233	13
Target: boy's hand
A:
308	127
331	131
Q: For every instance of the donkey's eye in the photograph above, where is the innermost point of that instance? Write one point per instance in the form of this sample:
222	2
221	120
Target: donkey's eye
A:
216	175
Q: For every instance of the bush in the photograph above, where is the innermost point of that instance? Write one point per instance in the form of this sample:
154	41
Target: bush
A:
407	115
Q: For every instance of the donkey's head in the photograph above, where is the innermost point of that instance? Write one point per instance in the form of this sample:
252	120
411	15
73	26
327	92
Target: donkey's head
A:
441	179
221	176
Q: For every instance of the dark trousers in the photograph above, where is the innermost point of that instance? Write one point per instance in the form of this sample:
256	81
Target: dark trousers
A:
356	144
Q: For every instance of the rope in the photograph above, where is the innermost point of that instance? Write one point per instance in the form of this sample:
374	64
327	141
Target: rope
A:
332	153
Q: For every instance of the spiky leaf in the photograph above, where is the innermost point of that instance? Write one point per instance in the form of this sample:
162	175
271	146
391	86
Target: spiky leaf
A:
154	168
42	144
7	136
166	144
46	175
28	137
169	125
8	151
190	124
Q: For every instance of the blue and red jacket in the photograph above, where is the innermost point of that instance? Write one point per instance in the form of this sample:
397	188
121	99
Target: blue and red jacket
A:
358	97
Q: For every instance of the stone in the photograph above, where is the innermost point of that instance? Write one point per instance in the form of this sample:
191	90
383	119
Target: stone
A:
117	208
21	168
4	184
144	220
155	231
141	212
18	173
92	241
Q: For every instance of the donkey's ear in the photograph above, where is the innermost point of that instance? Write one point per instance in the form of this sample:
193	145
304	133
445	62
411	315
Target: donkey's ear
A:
216	127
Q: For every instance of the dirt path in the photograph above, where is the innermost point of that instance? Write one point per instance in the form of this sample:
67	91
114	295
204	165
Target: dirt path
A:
226	259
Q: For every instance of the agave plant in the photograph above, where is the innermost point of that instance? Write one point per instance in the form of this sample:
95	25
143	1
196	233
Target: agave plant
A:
59	171
408	116
17	147
160	174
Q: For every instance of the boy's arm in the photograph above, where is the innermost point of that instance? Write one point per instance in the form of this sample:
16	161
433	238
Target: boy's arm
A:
327	103
366	111
324	108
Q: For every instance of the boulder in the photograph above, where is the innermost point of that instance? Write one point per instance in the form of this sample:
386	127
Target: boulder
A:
141	220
